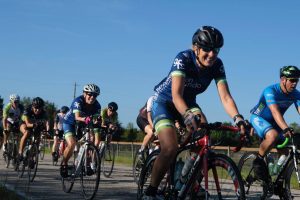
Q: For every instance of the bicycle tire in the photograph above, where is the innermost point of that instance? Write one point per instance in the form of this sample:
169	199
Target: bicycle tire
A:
90	174
254	188
54	162
68	182
42	147
33	161
108	160
137	166
290	181
9	153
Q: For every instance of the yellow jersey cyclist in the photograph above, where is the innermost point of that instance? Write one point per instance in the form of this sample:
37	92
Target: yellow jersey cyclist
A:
191	73
33	116
11	117
81	110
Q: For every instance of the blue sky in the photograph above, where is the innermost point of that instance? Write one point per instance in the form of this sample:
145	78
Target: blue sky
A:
127	47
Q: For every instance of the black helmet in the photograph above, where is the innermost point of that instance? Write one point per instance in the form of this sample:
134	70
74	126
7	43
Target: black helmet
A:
113	106
290	72
208	36
64	109
38	102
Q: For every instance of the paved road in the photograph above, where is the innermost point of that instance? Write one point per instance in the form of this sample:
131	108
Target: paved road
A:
47	184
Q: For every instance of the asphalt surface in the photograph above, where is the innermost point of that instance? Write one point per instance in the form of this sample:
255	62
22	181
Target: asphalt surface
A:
47	184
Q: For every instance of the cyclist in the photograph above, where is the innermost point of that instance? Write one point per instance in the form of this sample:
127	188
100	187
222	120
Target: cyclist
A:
58	129
1	124
267	116
191	74
109	117
144	122
11	116
80	111
33	116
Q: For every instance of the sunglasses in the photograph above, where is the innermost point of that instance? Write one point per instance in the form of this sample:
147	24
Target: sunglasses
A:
293	80
209	49
92	94
111	109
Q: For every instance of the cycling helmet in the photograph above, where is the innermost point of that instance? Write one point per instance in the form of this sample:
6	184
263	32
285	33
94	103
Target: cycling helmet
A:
113	106
38	102
14	97
208	36
91	88
290	72
64	109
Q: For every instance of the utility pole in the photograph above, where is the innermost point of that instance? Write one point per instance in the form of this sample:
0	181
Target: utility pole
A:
75	85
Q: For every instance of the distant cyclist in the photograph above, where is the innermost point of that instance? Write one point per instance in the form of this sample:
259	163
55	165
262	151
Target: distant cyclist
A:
58	129
144	122
267	116
109	117
191	73
11	116
1	124
33	116
81	110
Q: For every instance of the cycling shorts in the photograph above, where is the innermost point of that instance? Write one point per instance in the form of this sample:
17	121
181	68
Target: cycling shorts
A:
142	122
164	114
262	126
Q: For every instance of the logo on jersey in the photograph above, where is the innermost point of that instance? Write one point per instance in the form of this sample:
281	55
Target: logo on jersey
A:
222	70
178	63
76	105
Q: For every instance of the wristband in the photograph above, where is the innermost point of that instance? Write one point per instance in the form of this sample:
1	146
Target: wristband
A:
236	116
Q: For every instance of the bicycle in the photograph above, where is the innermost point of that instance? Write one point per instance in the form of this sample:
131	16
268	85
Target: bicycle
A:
218	172
59	152
107	152
12	145
86	166
31	154
282	183
43	145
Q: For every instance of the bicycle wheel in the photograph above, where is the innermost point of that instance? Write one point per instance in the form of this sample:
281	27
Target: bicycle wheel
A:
223	171
108	159
8	155
68	182
42	147
33	161
291	181
254	188
90	175
145	178
137	167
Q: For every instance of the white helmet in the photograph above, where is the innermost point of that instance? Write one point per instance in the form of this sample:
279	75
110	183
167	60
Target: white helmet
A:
14	97
91	88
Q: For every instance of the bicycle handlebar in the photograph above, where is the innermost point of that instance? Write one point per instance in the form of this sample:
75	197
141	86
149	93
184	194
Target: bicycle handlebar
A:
283	145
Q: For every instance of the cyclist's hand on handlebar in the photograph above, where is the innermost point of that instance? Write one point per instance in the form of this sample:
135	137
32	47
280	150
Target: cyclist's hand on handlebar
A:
240	122
87	120
288	132
191	121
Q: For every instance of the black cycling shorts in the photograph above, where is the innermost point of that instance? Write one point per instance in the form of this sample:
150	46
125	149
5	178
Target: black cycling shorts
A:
142	122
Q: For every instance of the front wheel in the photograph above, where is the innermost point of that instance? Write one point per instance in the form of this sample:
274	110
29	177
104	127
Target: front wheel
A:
90	175
33	161
108	159
137	166
254	188
291	181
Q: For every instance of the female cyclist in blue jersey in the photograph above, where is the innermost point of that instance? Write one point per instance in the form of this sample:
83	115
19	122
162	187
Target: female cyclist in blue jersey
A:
191	73
80	111
267	116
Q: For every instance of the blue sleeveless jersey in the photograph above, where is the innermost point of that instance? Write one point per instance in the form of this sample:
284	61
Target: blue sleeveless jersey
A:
196	80
78	105
274	95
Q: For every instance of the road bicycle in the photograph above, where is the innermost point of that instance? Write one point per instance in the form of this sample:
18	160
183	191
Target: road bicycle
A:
86	166
43	145
31	153
217	172
59	152
12	145
283	183
107	153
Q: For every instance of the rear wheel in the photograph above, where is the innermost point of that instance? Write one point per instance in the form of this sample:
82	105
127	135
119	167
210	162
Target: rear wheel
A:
108	159
90	175
254	188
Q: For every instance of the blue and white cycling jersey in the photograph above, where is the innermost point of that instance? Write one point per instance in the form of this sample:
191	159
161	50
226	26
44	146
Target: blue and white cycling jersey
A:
78	105
196	80
274	95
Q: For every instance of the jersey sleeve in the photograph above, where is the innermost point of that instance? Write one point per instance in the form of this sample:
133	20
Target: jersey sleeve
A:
269	96
179	65
6	110
149	104
219	72
297	101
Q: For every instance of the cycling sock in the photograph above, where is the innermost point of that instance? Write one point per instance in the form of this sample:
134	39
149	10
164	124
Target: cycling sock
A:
151	191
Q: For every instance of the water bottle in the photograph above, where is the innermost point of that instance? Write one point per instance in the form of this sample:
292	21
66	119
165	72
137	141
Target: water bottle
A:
178	169
189	162
279	163
270	163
